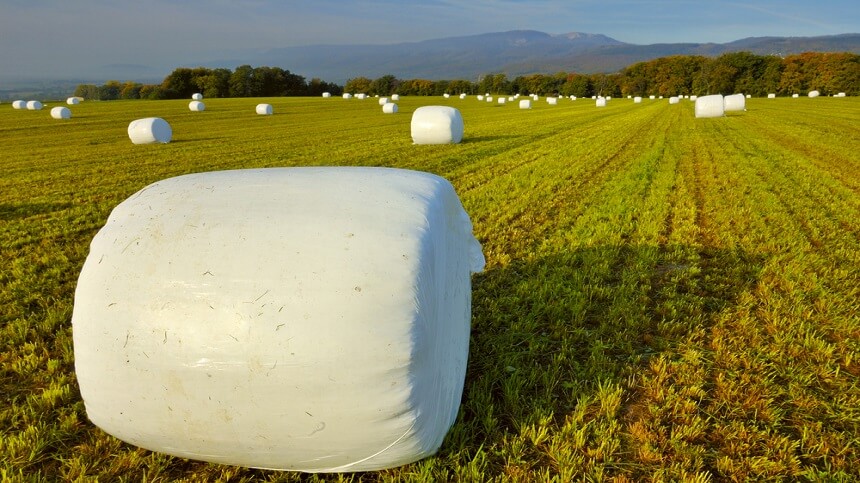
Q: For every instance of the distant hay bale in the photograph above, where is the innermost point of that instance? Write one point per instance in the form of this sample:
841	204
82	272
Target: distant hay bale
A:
525	104
600	102
749	96
34	105
72	101
347	95
149	130
814	94
61	112
389	108
637	100
710	106
361	96
463	96
197	96
511	99
502	100
480	97
489	98
630	97
395	97
446	95
674	100
652	97
196	106
735	102
264	109
437	125
326	94
841	94
19	104
552	101
771	96
693	98
383	101
795	96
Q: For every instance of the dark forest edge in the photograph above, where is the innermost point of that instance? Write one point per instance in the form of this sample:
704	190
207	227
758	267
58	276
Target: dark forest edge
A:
737	72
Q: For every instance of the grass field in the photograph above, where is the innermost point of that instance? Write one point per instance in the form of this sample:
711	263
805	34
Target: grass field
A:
665	299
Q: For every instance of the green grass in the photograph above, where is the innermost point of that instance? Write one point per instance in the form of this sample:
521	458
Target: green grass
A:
665	299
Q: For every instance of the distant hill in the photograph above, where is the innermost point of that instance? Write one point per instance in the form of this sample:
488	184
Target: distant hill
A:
514	53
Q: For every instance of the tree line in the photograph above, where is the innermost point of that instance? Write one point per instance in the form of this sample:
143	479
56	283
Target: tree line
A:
183	82
736	72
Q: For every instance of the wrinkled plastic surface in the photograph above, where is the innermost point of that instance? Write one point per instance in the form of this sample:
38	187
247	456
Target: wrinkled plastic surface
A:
149	130
709	106
311	319
437	125
264	109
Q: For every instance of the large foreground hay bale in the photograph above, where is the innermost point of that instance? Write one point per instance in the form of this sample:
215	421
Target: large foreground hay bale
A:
437	125
710	106
389	108
149	130
310	319
196	106
734	102
264	109
61	112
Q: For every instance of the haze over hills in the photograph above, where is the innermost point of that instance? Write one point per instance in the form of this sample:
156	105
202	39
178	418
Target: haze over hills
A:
514	53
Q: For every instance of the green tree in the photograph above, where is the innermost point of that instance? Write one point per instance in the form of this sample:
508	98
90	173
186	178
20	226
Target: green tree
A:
240	84
357	85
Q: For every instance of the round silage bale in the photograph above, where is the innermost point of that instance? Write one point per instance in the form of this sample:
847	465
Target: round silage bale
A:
326	94
552	101
480	97
149	130
462	96
437	125
383	101
264	109
361	96
525	104
395	97
72	101
637	100
34	105
61	112
389	108
19	104
795	96
771	96
710	106
446	95
502	100
347	95
734	102
814	94
600	102
197	96
674	100
489	98
196	106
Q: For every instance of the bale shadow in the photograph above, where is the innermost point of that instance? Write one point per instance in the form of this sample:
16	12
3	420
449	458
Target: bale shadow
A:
549	331
17	211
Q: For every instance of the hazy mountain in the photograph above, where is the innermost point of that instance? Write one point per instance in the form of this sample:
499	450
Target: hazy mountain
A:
514	53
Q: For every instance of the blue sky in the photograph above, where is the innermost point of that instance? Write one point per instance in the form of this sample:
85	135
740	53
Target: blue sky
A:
65	38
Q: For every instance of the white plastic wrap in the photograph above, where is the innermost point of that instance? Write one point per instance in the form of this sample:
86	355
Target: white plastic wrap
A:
73	101
264	109
674	100
389	108
383	101
501	100
197	96
552	101
437	125
34	105
196	106
395	97
637	100
525	104
61	112
19	104
347	95
771	96
600	102
149	130
310	319
814	94
734	102
326	94
710	106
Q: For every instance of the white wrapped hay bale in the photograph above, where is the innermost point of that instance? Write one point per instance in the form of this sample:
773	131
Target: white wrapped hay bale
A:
637	100
361	96
149	130
34	105
395	97
73	101
196	106
771	96
710	106
525	104
326	94
674	100
489	98
389	108
511	98
652	97
600	102
795	96
502	100
19	104
61	112
552	101
347	95
197	96
480	97
841	94
437	125
734	102
462	96
749	96
264	109
446	95
383	101
309	319
814	94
